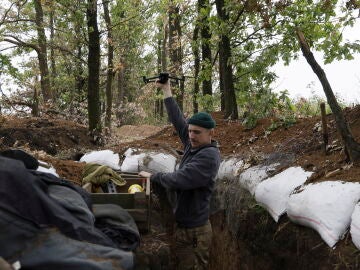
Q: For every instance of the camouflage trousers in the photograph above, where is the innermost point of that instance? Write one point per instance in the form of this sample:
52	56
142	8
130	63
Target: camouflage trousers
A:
192	247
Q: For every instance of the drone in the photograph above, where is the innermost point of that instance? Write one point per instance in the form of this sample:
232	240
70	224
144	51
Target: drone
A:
162	78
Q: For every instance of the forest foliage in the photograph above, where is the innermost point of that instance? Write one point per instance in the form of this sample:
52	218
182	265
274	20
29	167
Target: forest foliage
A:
85	60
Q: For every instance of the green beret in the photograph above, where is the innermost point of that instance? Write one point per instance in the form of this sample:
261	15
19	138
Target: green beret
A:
202	119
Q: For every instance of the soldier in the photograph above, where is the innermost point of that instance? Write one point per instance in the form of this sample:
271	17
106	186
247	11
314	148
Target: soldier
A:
193	183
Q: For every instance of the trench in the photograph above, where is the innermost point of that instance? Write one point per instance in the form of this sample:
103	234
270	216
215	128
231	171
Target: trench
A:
246	237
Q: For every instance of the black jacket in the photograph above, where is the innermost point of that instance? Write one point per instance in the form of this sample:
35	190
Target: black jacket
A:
195	178
46	223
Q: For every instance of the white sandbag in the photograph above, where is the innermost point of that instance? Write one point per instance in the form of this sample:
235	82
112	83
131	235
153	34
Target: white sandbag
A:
132	161
355	226
130	151
104	157
326	207
159	162
251	177
47	168
229	168
274	192
136	161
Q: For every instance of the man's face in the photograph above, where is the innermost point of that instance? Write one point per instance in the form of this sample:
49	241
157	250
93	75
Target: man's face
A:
199	136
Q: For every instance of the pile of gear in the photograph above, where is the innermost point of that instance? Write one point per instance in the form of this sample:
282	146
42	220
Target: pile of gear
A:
47	222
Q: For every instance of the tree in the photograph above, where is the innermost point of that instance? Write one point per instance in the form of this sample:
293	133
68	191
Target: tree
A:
42	51
195	49
249	36
13	35
131	31
226	71
175	51
206	69
68	45
110	66
162	37
352	148
93	67
322	26
52	49
246	51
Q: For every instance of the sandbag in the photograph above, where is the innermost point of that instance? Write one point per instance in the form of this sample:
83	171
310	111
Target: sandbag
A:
132	161
230	168
251	177
104	157
136	161
159	162
274	192
355	226
47	168
326	207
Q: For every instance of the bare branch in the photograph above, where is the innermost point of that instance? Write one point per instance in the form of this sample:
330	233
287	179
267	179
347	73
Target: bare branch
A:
17	41
67	51
8	48
4	19
13	104
6	13
16	21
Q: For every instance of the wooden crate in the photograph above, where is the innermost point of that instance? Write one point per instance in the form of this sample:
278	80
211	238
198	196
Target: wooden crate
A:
137	204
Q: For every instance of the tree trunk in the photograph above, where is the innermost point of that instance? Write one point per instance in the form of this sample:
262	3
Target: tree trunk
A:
121	86
226	71
164	57
204	14
195	49
175	54
158	66
221	85
93	67
42	52
35	104
110	68
164	50
159	107
0	90
352	148
80	79
52	52
79	74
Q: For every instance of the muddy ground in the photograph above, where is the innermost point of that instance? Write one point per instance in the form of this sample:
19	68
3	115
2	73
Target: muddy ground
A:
246	237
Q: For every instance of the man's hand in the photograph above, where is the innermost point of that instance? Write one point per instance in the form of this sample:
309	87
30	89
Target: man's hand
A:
165	87
145	174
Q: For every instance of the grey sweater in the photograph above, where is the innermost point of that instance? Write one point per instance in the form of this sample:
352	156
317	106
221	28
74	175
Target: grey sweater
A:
194	181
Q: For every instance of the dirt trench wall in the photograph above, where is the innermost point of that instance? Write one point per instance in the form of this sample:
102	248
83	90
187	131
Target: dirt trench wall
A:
246	237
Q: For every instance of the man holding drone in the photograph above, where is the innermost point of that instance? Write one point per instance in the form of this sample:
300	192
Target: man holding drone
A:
193	183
